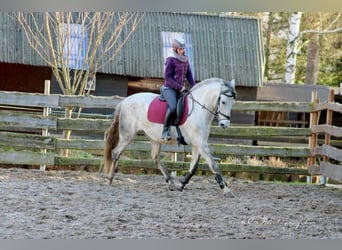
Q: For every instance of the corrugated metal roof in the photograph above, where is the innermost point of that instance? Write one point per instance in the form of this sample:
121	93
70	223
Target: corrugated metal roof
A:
14	47
225	47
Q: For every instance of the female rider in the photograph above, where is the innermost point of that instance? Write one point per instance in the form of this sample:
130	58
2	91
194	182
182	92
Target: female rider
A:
177	69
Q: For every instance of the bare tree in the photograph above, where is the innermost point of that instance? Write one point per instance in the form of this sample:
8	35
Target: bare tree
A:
76	45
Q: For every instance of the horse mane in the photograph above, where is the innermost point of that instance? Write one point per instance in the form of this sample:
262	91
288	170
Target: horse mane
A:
205	83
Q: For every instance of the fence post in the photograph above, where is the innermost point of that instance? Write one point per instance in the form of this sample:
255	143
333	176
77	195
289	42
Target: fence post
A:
46	112
314	117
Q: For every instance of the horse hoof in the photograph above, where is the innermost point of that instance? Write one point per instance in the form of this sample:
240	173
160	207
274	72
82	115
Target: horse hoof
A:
228	193
180	188
110	181
172	187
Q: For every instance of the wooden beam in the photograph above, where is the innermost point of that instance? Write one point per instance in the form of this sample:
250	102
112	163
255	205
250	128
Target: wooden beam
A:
22	120
299	107
334	106
258	131
332	152
21	140
222	167
26	158
90	101
80	144
83	124
29	99
331	171
327	129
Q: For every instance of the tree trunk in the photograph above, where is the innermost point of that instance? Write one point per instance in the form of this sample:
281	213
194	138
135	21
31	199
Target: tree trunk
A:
268	42
313	54
312	60
292	47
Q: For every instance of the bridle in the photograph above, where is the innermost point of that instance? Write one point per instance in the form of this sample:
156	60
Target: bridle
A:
229	93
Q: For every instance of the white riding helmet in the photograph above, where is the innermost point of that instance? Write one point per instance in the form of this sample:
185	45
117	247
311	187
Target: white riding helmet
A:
177	43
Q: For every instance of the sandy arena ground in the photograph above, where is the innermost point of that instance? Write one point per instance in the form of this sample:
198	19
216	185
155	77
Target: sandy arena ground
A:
79	205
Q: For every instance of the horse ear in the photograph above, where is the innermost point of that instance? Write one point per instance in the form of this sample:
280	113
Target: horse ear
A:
232	82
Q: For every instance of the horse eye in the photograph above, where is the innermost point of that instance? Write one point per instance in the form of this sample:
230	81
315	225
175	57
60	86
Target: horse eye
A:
223	102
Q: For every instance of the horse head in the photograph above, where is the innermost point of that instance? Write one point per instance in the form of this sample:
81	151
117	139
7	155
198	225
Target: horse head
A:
225	103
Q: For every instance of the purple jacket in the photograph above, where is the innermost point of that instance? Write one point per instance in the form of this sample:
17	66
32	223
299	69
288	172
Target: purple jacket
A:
176	72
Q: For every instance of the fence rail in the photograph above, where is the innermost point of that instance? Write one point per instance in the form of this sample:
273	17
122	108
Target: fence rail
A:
17	147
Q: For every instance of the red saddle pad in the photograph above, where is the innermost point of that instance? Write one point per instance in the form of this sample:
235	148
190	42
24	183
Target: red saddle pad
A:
157	110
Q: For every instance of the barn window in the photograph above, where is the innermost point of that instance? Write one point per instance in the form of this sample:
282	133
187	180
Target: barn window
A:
75	43
167	38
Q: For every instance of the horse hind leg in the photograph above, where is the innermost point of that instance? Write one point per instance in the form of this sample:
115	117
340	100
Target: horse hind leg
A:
155	155
116	153
113	168
114	165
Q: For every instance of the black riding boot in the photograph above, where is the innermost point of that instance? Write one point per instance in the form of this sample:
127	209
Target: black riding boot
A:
167	125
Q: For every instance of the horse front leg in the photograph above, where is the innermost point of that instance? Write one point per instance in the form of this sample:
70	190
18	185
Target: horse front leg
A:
192	170
206	154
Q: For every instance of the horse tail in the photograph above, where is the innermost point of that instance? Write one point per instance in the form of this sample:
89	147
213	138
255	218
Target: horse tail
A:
111	139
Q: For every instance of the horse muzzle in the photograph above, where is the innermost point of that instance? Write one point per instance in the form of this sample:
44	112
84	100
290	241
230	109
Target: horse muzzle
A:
224	123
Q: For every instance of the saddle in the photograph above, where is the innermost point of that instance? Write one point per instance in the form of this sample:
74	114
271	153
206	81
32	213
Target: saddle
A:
179	108
157	109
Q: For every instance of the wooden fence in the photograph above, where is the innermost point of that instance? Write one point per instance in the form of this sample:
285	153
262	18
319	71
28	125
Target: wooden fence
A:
331	157
21	141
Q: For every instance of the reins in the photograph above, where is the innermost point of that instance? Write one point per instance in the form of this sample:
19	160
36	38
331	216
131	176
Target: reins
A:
203	106
216	112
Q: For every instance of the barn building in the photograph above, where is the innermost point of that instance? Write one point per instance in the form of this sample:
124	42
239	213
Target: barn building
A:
225	47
